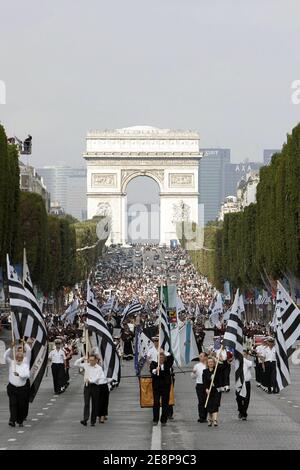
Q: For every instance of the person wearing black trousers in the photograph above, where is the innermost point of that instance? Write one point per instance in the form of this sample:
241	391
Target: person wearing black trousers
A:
243	402
17	389
214	400
58	359
93	375
200	389
161	386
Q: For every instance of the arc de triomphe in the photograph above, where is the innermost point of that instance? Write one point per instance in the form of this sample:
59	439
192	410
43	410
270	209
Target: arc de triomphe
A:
115	157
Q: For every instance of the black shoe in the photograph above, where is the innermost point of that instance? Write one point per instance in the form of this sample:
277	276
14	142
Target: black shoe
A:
92	424
12	424
240	416
171	417
83	422
164	424
155	423
200	420
21	425
244	418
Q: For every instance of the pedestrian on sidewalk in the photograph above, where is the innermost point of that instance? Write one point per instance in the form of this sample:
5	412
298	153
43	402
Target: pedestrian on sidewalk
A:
200	388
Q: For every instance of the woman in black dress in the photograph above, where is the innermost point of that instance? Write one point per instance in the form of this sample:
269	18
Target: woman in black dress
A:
214	400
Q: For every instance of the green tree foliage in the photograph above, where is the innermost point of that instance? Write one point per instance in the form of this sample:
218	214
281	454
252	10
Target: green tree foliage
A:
9	197
263	241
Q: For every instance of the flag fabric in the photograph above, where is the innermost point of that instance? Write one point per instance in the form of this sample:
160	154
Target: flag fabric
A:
142	346
71	312
96	324
164	330
188	346
233	340
132	309
216	310
28	322
287	331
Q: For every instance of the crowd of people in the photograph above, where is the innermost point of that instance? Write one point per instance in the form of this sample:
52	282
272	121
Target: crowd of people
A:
122	276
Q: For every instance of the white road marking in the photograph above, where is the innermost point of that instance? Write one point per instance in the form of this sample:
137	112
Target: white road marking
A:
27	425
40	414
3	448
34	419
295	406
53	399
11	440
156	438
21	432
45	408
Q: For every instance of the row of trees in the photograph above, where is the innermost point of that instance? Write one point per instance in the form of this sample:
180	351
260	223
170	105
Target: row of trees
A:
9	196
262	243
51	242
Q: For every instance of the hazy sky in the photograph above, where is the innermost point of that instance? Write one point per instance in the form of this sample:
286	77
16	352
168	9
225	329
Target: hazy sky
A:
221	67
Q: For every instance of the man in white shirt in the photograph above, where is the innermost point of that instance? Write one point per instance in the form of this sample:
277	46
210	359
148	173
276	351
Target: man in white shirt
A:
58	359
270	366
16	389
260	366
243	402
93	377
200	389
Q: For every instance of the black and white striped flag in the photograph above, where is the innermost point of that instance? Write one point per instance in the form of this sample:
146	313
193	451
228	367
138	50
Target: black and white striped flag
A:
233	340
96	324
164	325
132	309
287	332
29	323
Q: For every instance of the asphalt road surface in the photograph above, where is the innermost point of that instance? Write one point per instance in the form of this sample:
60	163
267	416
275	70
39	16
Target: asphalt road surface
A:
54	421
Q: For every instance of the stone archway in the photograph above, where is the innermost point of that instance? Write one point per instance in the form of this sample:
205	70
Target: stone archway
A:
169	157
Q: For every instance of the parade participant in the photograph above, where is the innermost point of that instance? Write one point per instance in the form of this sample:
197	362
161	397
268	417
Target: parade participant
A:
68	350
213	392
260	364
103	398
17	390
200	389
127	337
243	402
225	381
57	359
270	366
93	375
26	349
161	385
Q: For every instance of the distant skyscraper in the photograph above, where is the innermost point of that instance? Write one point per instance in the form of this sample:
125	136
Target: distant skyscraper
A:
218	179
67	187
268	153
212	180
235	172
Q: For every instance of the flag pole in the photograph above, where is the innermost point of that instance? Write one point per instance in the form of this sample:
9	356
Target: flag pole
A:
213	377
13	339
159	329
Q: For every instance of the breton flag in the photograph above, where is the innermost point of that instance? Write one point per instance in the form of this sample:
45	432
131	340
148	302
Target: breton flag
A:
143	344
216	311
96	324
233	340
164	326
287	332
71	312
132	309
29	322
